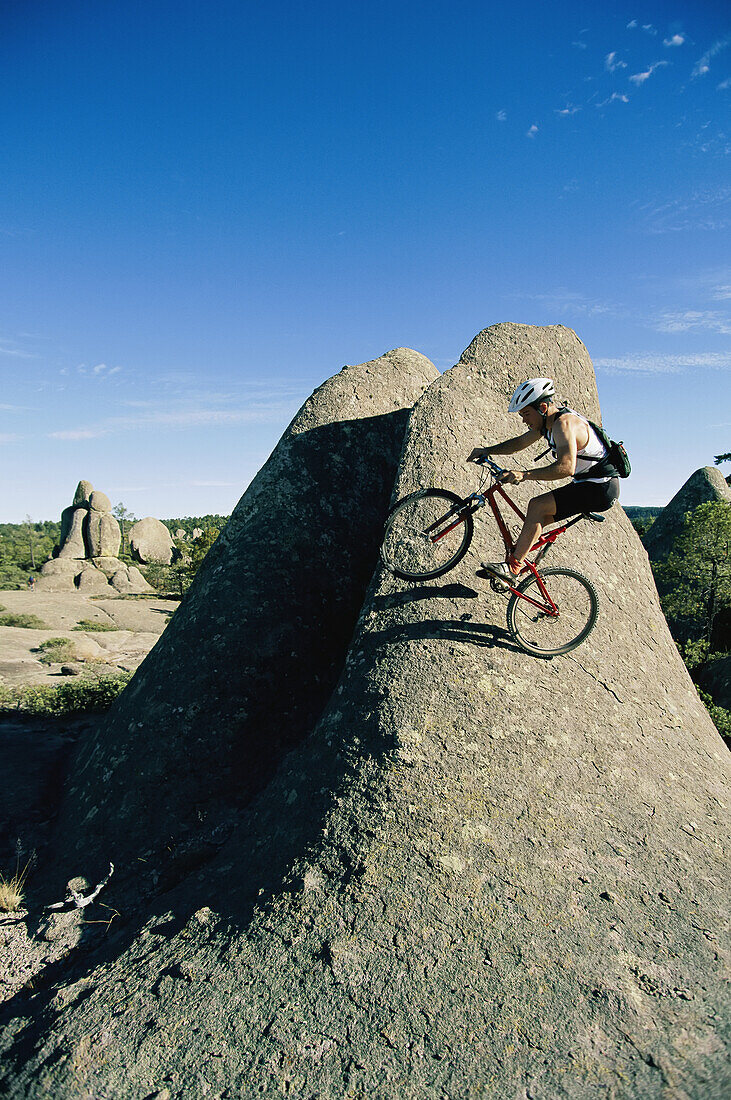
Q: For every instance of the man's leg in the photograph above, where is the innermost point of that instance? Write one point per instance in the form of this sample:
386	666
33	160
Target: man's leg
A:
541	511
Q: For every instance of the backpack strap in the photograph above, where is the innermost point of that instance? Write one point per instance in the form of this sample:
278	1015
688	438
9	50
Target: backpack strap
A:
544	432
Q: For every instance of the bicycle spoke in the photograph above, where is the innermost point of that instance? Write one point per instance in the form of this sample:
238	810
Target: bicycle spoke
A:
539	632
425	536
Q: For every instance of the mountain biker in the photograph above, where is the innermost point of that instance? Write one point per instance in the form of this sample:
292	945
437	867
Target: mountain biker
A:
576	448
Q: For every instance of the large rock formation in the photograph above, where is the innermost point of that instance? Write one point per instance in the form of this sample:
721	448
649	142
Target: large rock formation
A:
90	539
483	874
704	485
150	541
249	660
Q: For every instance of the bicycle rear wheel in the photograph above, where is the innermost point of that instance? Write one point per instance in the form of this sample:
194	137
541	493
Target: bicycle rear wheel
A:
426	535
547	635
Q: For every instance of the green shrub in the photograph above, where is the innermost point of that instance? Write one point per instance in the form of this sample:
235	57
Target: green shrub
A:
59	700
30	622
720	717
89	625
55	650
12	577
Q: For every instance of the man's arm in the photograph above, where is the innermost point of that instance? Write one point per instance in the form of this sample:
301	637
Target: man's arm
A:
509	447
564	438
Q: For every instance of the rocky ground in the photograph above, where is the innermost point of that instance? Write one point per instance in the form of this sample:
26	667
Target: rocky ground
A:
34	752
136	624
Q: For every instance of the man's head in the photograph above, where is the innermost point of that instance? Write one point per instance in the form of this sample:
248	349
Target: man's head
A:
533	392
534	416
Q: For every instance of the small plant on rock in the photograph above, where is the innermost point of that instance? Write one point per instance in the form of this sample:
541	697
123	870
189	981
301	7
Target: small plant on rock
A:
12	889
56	650
90	625
30	622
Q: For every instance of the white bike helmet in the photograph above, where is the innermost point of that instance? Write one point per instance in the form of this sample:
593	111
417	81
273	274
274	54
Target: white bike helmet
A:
531	392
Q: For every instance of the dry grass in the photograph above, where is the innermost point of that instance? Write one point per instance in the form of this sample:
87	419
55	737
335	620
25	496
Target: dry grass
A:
12	890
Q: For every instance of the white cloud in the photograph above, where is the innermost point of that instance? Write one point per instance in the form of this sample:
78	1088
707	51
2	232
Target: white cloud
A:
721	293
656	363
615	97
101	370
568	110
700	210
9	438
611	64
703	66
640	78
501	116
10	347
649	28
74	434
564	301
692	319
724	85
631	25
532	132
676	40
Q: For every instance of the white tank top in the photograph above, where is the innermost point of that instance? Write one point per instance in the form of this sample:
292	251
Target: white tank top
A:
594	449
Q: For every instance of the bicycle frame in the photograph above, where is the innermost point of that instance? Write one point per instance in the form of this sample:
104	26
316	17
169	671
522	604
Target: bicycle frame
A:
478	500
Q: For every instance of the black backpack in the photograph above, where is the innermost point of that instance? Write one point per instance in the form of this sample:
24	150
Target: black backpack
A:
615	462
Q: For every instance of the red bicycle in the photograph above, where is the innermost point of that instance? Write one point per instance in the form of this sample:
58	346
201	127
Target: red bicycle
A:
549	612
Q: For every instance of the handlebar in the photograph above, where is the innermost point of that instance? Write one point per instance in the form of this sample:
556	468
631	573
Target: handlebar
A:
495	470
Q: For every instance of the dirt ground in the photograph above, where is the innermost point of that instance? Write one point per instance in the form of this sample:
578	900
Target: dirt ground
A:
137	624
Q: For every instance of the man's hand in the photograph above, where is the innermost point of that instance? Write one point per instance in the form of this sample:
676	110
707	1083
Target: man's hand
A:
512	477
477	454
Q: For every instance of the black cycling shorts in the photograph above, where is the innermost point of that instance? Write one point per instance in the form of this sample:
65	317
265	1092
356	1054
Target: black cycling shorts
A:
585	496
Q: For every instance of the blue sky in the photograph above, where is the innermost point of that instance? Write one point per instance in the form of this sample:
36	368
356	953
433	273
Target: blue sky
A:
207	209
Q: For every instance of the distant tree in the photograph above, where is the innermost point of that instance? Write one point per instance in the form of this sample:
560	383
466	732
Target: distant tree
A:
29	525
125	517
722	458
200	547
642	524
695	579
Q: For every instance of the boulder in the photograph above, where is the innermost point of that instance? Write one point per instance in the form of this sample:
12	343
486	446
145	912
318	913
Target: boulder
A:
100	502
72	522
481	874
704	485
58	574
83	493
138	582
61	567
59	582
103	536
128	580
109	565
92	581
150	541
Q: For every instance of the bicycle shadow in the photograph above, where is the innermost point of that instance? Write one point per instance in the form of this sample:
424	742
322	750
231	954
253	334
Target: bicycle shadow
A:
389	600
454	630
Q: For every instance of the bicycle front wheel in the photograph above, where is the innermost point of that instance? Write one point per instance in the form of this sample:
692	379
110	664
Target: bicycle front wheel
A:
426	534
546	635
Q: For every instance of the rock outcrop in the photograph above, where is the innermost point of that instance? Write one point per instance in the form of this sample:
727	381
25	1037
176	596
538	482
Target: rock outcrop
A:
483	874
252	655
150	541
704	485
90	540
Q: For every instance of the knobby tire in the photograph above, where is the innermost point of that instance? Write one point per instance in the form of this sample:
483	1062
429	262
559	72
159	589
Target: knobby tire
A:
407	549
546	636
